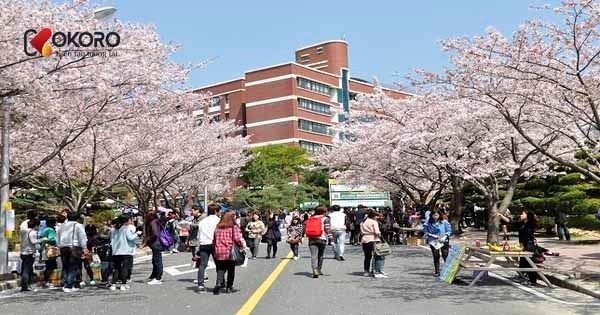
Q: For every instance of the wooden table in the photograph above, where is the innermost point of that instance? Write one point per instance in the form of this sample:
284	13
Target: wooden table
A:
487	258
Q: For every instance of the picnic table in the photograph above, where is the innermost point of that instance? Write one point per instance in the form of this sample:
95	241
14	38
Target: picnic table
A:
501	261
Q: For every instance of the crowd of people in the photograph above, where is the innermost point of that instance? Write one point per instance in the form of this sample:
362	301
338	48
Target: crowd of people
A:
106	255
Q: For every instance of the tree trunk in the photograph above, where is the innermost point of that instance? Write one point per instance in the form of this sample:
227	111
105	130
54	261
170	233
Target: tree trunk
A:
457	206
493	220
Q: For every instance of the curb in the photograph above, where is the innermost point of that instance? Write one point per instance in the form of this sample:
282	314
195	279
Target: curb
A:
8	285
562	281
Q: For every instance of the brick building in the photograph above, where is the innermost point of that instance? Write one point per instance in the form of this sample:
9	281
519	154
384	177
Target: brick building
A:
294	103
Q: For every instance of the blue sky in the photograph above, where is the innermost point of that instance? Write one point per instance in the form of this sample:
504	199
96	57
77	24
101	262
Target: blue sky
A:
387	39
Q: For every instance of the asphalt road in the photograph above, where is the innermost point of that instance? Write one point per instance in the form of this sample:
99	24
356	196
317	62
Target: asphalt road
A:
411	289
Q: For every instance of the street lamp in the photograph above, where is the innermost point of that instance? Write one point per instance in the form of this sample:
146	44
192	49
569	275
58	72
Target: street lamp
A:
104	12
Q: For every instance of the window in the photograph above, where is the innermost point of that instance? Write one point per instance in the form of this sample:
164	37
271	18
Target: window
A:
319	50
311	146
214	102
226	116
312	126
215	118
353	96
305	58
226	99
314	106
313	86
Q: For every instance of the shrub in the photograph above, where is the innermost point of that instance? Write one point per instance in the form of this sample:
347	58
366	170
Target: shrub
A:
533	203
585	222
593	192
587	206
535	183
99	218
570	179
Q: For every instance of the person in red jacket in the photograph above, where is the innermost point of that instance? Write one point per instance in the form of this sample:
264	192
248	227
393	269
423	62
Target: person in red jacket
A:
226	234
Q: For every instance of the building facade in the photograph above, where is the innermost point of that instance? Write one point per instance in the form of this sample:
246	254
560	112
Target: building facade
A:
293	103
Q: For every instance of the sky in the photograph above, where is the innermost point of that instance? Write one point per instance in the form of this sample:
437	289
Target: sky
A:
387	39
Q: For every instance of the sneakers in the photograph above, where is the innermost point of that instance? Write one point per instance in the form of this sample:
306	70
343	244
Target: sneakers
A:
367	274
196	281
154	281
82	284
67	290
112	287
205	277
295	257
125	287
92	282
200	288
174	251
342	258
380	276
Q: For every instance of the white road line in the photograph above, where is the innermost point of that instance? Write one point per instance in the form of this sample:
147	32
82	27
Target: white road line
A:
173	270
534	292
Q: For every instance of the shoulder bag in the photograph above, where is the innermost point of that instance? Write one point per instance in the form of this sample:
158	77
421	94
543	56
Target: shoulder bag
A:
237	255
382	248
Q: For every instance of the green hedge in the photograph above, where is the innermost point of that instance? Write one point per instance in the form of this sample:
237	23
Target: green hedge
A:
587	206
586	222
570	179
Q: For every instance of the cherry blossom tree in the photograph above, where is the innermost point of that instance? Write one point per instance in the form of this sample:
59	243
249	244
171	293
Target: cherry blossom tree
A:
542	81
57	99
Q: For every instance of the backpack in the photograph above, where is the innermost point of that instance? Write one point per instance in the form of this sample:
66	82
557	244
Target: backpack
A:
314	227
165	238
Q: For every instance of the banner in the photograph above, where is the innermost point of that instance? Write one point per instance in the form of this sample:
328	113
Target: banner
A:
10	217
452	264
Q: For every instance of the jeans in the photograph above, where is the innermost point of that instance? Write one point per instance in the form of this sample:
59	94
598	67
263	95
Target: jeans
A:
317	249
271	244
107	269
339	237
531	275
253	245
71	266
157	263
294	248
26	271
121	268
378	263
204	252
356	233
368	249
225	266
51	265
436	255
563	232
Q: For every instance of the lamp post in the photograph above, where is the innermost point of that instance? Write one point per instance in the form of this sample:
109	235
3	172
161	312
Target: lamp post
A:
5	104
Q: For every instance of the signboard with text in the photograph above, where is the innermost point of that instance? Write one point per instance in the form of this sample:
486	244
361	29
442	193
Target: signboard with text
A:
353	196
452	264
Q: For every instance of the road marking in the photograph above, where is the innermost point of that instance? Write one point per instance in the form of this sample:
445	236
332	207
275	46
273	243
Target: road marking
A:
251	303
534	292
173	270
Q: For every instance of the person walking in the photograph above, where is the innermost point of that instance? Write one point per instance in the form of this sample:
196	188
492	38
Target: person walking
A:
338	229
193	236
122	240
173	229
153	228
72	242
359	217
29	247
256	228
317	229
560	219
273	235
438	232
371	234
529	223
226	234
206	235
295	231
49	251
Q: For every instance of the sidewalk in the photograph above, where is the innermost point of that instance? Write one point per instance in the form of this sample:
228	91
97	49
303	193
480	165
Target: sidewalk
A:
13	281
577	268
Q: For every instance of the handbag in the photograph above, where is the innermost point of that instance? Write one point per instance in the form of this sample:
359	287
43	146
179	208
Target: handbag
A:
293	240
382	248
237	255
52	251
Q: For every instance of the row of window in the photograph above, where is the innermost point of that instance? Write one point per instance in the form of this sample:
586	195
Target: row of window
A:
314	106
216	101
311	146
313	86
312	126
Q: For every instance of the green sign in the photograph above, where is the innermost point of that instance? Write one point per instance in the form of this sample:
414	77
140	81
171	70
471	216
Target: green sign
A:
349	195
452	264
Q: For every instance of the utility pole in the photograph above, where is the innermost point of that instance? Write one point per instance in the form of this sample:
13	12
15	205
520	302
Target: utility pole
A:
5	104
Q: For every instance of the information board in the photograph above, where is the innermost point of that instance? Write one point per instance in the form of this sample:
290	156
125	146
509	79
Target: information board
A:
355	195
452	264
